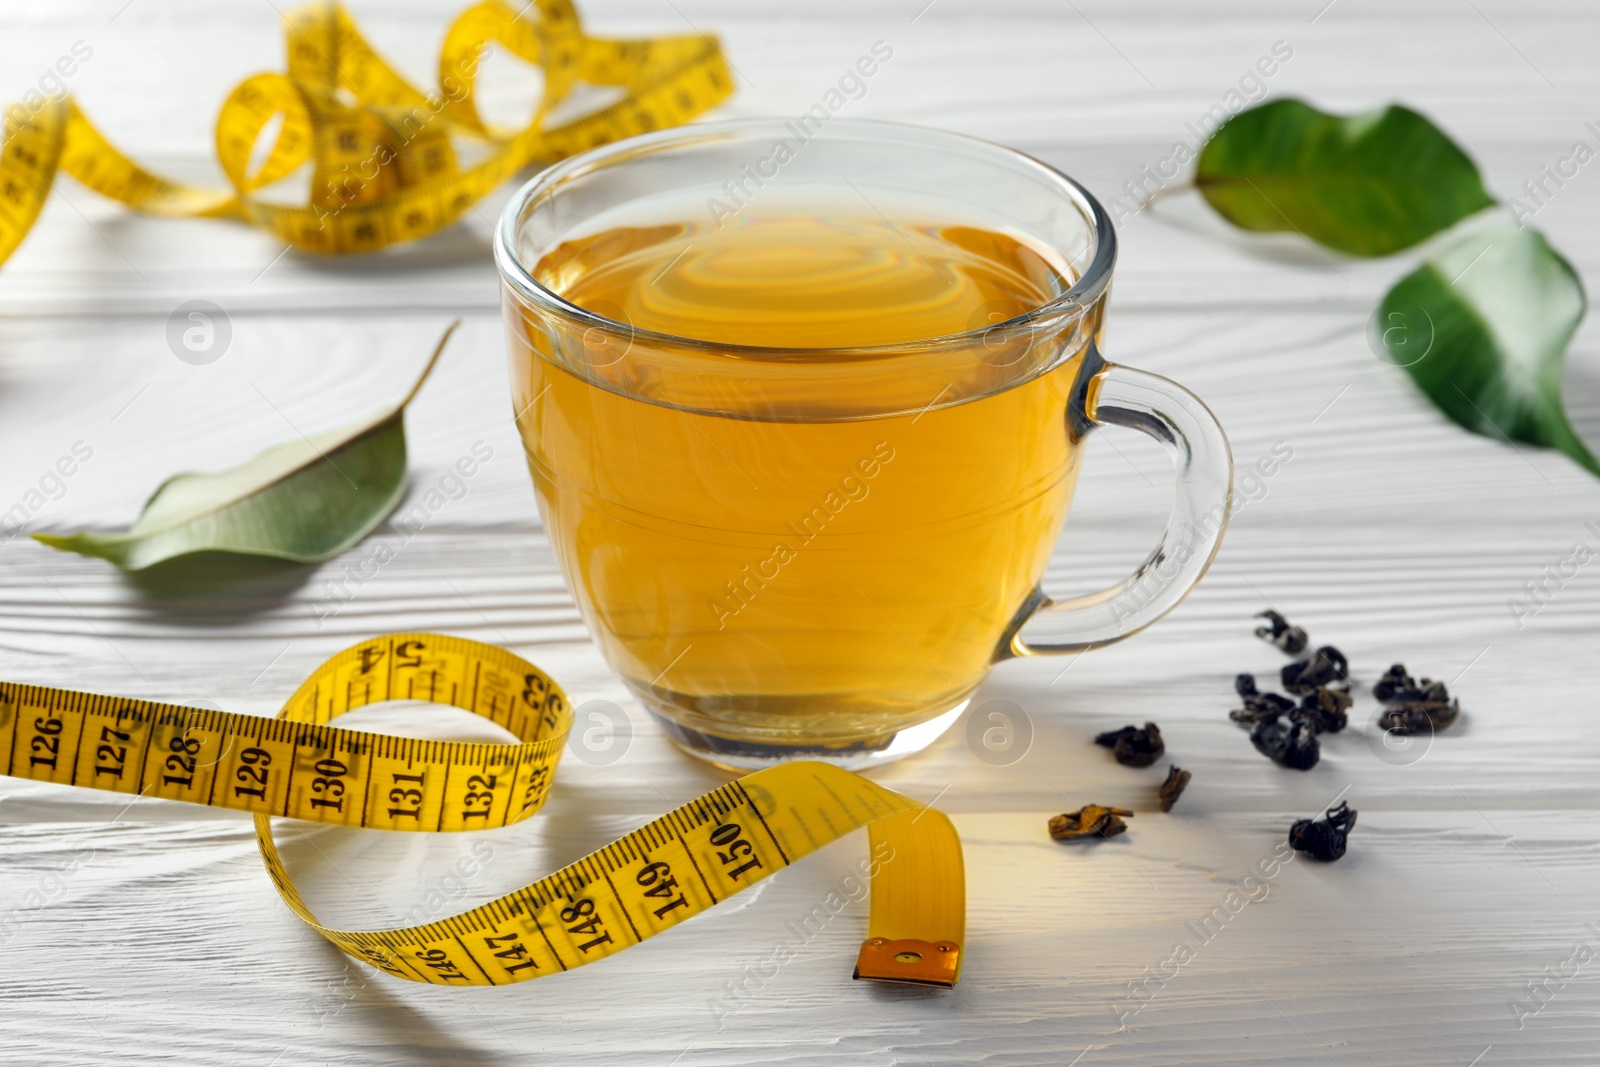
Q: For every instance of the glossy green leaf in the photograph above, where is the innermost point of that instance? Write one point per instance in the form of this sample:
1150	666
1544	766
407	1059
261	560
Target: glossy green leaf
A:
1366	185
305	500
1483	328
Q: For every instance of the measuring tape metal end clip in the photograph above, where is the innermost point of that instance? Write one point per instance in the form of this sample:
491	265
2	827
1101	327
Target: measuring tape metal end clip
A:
909	960
687	861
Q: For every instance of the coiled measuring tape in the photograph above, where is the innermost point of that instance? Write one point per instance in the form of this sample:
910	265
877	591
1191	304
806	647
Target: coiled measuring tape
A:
385	163
297	766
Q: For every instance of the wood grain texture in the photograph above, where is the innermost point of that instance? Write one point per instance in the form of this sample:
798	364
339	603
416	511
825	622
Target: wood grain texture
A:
1473	870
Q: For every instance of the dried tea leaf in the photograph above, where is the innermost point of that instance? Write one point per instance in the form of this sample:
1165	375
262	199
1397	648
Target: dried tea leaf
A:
1396	684
1419	716
1325	667
1421	707
1091	820
1132	746
1324	838
1483	326
305	500
1292	745
1324	710
1171	789
1279	632
1367	185
1259	707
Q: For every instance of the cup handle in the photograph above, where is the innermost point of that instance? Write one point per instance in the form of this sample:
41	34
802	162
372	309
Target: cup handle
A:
1109	395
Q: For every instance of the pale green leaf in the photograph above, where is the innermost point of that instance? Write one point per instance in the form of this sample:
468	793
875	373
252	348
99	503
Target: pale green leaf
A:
1483	326
306	500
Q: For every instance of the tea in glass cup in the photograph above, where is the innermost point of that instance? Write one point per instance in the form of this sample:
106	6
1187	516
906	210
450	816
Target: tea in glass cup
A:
804	446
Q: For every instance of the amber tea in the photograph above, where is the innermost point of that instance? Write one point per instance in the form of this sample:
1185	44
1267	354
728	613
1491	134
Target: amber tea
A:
803	462
818	580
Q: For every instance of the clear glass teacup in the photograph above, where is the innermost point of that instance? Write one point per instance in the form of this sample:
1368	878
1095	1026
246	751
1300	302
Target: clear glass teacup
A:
804	412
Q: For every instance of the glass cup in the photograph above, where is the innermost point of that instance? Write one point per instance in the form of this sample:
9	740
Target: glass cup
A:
820	553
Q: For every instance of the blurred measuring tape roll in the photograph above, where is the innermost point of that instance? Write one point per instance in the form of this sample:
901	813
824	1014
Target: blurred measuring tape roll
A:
389	163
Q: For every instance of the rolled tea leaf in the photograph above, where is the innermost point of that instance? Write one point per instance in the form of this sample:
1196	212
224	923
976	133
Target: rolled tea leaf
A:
305	500
1366	185
1482	326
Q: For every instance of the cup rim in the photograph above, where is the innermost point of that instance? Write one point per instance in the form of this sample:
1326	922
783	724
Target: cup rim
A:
1080	296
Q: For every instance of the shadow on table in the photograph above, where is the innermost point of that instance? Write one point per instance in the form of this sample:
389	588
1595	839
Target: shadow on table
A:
379	1015
1580	394
1288	249
454	246
218	588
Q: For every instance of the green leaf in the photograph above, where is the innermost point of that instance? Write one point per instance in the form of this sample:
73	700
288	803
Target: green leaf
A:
1483	326
1366	185
305	500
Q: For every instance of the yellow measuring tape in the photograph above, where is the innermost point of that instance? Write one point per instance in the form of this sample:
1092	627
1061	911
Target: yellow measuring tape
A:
385	163
683	863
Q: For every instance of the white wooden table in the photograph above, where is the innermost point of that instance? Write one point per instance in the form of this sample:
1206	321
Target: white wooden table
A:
148	933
